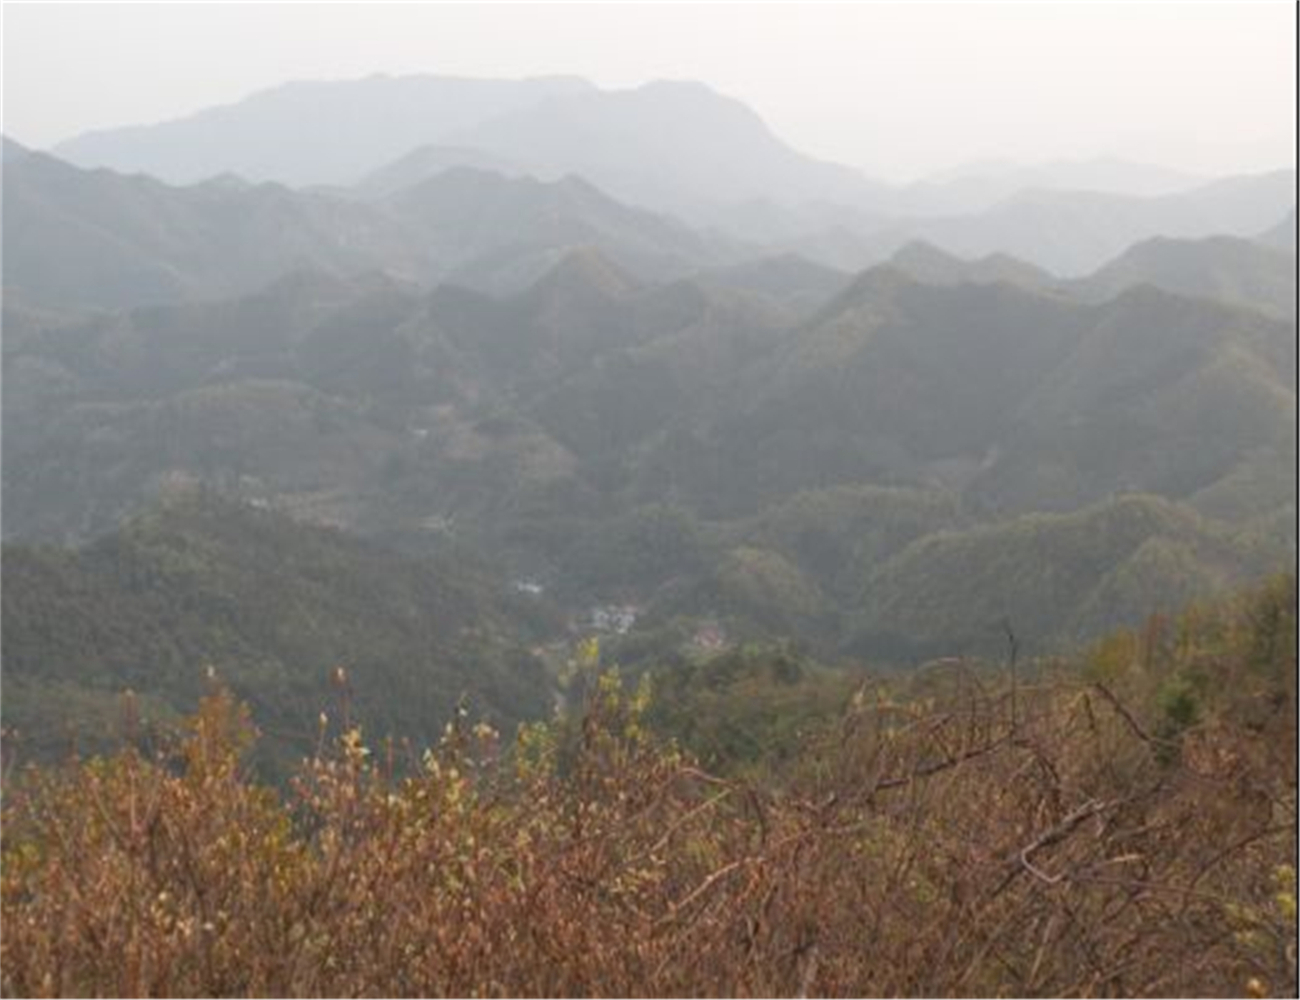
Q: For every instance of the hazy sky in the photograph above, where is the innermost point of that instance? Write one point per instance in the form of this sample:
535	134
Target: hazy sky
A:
897	89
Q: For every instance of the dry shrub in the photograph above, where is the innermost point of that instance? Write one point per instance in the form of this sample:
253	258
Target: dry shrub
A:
965	840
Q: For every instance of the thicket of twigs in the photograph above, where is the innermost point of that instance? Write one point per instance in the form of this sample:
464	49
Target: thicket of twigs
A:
1128	830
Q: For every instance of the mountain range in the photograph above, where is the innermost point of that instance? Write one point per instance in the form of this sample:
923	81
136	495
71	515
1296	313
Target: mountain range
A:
520	357
542	427
290	133
87	238
685	149
97	238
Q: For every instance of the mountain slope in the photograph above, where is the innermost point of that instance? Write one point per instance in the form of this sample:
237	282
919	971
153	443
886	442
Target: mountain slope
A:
789	279
694	449
1073	232
78	237
501	234
1016	398
95	238
669	145
1162	394
291	133
929	264
345	397
1242	272
889	378
426	162
274	607
1218	267
665	145
979	186
1050	578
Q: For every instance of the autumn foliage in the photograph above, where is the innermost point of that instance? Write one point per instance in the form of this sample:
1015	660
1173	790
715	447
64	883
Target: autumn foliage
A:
1126	828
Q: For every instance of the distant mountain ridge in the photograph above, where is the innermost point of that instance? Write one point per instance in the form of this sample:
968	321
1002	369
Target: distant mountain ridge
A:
1073	232
663	145
291	133
100	238
84	237
500	234
1249	273
674	145
1217	267
682	148
424	164
929	264
979	186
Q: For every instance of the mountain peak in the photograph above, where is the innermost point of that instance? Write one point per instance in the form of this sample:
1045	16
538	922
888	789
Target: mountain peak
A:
875	284
935	266
585	270
923	252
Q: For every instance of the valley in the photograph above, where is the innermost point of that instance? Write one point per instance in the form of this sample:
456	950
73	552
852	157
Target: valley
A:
883	467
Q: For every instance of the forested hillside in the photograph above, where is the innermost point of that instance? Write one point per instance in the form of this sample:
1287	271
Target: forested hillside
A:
883	467
296	620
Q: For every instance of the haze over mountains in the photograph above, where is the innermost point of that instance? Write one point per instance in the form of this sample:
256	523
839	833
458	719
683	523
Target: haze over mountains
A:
291	134
677	147
618	349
